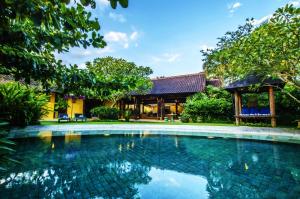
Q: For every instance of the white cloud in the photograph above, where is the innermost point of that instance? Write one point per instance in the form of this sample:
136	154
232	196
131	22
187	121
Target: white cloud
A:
82	66
103	3
117	17
134	35
107	49
116	37
121	38
295	3
257	22
234	6
167	57
86	53
126	45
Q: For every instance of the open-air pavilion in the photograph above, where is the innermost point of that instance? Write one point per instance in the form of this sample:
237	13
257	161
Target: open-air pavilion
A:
254	84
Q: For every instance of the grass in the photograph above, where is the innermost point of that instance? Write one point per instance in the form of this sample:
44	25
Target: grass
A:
108	122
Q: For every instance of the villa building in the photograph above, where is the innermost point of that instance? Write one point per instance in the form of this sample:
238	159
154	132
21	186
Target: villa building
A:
167	95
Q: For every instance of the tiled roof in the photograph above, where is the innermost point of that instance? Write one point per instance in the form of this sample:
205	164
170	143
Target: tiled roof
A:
190	83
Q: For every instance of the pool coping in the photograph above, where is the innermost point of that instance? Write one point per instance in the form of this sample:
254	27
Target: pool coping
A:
240	132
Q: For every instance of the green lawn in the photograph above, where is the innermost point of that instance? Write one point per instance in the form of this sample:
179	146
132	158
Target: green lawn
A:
45	123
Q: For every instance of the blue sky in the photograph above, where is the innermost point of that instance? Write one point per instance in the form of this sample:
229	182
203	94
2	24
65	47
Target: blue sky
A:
167	35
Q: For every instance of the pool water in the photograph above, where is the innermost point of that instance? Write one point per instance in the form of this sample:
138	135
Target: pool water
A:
151	166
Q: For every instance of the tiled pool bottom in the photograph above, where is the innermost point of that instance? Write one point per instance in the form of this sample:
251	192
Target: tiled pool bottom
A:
151	166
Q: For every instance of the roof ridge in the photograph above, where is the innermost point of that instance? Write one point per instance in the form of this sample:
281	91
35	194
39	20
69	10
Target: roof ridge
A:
175	76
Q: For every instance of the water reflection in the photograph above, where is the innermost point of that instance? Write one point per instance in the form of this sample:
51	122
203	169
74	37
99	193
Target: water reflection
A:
133	166
167	183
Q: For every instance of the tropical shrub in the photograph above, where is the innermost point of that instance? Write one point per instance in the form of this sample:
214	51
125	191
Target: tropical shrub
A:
104	112
287	110
213	104
61	105
185	118
21	105
127	114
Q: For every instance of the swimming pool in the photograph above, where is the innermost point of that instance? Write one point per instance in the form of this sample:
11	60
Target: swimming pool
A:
141	165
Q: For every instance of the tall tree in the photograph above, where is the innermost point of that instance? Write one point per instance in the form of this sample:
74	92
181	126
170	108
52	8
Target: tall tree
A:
271	50
32	30
123	76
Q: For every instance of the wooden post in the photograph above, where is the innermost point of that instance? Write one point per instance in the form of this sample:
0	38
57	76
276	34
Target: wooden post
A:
236	108
143	108
240	104
138	108
158	108
272	106
162	108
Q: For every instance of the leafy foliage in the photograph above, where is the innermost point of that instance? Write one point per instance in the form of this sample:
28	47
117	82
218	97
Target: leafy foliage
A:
185	118
32	30
21	105
288	111
120	76
127	114
270	50
104	112
214	103
61	104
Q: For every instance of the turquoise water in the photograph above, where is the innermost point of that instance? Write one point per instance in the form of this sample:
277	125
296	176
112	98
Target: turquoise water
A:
151	166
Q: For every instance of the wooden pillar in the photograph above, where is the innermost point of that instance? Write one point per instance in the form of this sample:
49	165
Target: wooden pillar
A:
134	103
143	108
121	102
272	106
161	108
176	108
138	107
240	104
158	108
236	108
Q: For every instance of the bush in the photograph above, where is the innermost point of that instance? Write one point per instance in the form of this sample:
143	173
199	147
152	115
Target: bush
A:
21	105
104	112
184	118
127	114
213	104
287	109
61	104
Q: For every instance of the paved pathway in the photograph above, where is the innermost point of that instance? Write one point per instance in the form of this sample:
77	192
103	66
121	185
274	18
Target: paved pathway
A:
258	133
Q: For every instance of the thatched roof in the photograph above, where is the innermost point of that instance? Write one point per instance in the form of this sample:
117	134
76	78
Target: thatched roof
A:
254	83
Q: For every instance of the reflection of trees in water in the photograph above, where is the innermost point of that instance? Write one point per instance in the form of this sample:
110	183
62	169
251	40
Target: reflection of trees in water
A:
114	166
94	166
239	169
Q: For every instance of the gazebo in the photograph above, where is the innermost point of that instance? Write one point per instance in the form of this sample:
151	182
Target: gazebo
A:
254	84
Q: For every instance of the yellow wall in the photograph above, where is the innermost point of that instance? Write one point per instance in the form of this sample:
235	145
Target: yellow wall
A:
75	106
50	107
